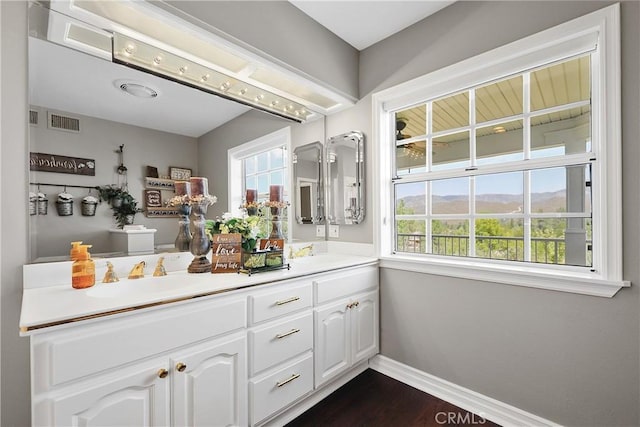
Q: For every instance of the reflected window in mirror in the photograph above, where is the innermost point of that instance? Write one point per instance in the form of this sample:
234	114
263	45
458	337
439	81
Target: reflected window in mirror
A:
254	167
308	183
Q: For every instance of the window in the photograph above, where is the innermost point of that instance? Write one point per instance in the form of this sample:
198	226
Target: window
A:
258	164
465	185
505	169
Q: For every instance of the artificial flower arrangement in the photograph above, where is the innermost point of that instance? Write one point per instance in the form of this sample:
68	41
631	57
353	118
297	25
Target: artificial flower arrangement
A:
191	200
248	227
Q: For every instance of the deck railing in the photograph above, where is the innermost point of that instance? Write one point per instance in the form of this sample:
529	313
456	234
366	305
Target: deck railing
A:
544	249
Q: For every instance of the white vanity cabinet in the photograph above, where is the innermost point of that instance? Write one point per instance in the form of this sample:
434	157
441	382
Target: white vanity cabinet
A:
346	321
280	347
254	355
189	361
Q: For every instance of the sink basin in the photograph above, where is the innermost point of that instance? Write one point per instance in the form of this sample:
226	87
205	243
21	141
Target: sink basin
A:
112	290
128	287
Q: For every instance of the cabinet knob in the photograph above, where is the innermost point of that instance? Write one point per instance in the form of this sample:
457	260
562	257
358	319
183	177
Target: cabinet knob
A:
180	367
162	373
357	303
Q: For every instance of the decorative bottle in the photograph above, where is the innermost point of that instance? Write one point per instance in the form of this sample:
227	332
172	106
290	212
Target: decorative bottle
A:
83	269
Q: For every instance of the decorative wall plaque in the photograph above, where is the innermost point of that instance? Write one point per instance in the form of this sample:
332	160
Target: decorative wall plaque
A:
152	198
44	162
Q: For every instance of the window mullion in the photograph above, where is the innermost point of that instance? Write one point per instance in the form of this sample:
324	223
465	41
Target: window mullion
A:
526	109
472	216
527	216
428	223
472	129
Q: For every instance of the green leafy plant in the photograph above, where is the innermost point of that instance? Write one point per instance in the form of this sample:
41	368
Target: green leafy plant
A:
249	227
109	192
129	206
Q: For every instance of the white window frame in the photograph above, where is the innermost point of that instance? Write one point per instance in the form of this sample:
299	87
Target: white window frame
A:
601	28
235	156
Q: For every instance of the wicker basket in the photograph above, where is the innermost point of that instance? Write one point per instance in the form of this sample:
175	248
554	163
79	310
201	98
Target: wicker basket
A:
64	208
88	208
43	206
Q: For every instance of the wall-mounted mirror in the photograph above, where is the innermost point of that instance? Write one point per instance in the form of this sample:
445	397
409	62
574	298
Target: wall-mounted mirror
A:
308	181
164	131
345	178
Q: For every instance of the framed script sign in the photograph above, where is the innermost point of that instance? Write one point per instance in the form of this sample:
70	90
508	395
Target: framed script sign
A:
179	174
152	198
226	252
62	164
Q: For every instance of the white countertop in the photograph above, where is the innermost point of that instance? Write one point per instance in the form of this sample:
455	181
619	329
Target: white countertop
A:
47	306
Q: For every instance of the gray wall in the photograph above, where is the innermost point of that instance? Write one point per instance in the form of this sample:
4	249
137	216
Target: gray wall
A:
13	191
568	358
283	32
213	147
99	139
573	359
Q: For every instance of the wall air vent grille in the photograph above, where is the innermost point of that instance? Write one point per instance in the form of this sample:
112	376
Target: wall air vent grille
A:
59	122
33	117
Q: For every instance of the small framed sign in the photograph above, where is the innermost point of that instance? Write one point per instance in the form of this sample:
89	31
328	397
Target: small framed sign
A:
272	244
152	198
179	174
226	252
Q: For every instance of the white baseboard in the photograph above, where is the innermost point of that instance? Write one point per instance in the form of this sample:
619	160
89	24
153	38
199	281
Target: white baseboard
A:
301	407
486	407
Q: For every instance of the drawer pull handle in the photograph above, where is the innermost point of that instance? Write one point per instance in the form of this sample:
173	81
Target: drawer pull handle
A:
288	380
180	367
286	334
162	373
349	306
287	301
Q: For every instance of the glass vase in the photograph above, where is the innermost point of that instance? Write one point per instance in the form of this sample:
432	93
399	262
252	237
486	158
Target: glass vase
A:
276	224
183	240
200	244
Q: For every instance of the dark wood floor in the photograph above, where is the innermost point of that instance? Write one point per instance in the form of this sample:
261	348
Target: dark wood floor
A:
373	399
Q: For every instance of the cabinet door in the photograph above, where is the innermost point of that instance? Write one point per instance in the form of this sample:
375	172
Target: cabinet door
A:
210	384
364	326
135	396
332	349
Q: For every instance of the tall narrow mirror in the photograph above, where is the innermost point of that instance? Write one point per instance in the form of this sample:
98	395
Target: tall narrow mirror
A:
345	178
308	181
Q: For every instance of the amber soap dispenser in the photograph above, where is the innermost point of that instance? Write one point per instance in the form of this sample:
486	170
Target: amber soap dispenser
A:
83	269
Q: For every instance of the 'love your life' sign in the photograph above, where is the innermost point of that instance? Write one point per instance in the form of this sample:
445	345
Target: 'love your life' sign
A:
227	253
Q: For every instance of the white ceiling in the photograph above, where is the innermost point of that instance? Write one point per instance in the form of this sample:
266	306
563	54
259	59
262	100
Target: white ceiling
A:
363	23
73	82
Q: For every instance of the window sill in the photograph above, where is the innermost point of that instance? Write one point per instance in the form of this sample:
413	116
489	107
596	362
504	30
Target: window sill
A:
574	282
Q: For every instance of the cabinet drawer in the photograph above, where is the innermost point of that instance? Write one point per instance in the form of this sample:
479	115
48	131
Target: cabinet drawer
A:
288	299
274	344
74	353
335	286
277	390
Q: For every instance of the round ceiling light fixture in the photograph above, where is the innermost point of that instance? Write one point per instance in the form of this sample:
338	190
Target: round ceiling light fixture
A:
137	90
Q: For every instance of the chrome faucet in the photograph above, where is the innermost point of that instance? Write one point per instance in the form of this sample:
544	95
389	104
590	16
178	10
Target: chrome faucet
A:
138	271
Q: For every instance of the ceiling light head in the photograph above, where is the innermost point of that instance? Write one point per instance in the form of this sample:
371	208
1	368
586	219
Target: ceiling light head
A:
137	90
499	129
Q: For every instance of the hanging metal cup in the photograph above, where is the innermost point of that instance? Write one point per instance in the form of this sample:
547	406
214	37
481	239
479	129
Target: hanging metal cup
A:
64	208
